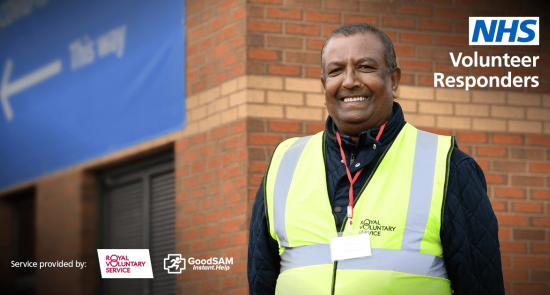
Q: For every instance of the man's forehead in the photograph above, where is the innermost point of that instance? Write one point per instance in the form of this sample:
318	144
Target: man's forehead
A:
357	41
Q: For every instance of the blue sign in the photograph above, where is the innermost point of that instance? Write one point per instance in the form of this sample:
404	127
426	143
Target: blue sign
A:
81	79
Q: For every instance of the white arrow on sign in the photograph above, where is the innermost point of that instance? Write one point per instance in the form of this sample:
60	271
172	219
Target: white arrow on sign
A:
8	89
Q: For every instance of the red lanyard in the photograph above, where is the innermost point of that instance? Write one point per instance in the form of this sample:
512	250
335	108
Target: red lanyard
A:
352	180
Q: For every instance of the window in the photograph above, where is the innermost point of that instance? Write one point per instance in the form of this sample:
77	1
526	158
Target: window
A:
137	212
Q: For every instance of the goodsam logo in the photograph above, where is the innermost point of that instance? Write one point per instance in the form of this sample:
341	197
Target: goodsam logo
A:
174	263
504	31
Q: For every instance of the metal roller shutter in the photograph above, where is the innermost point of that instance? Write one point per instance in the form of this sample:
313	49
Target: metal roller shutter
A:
138	213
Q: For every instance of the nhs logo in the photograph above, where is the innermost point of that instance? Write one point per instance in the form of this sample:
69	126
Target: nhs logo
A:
504	31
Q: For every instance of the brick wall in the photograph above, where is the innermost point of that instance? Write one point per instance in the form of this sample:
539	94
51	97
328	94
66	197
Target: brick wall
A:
212	213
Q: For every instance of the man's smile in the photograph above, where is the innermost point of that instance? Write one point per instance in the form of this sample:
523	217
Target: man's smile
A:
354	99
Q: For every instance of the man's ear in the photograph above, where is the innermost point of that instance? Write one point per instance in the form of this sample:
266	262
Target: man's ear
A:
324	87
395	77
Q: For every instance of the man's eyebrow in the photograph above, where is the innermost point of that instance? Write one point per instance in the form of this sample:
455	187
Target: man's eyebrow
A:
334	63
367	59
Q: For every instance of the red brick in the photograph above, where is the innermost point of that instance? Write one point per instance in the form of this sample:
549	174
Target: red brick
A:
530	262
284	13
496	179
302	29
504	233
530	154
208	286
514	275
435	25
416	10
449	68
264	26
219	78
228	159
267	1
229	60
509	193
198	246
507	139
198	193
198	139
237	42
416	38
219	243
472	137
229	282
416	65
527	180
228	187
314	16
242	155
398	22
478	3
284	70
541	248
483	164
284	42
359	19
233	171
491	152
447	13
315	44
284	126
191	234
541	195
231	226
239	239
507	219
528	207
238	128
265	139
530	289
240	182
403	50
233	198
498	206
238	14
190	182
209	231
181	145
541	221
505	261
207	70
218	23
196	7
512	247
529	234
229	32
315	127
263	54
196	34
452	40
509	166
540	167
197	219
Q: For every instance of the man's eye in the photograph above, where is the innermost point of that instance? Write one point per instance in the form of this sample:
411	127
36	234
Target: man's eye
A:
365	67
334	71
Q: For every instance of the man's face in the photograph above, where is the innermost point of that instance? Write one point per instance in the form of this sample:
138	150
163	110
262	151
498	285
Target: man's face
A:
359	90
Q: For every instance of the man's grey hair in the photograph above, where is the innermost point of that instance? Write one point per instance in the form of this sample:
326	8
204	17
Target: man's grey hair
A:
356	29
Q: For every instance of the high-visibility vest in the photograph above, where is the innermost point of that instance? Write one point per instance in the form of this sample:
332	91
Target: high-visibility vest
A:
400	204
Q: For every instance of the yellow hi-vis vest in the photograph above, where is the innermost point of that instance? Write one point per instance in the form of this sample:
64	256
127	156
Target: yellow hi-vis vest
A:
400	204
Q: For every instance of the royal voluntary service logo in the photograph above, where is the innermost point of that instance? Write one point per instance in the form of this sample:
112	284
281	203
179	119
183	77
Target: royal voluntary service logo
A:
125	263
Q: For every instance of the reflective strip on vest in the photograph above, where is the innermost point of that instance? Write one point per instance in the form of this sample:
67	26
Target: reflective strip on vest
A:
381	259
421	190
282	185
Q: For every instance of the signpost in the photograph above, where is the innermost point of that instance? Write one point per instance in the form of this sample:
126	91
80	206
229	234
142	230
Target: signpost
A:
81	79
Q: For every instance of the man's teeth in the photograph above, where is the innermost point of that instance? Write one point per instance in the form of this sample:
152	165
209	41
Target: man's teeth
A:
350	99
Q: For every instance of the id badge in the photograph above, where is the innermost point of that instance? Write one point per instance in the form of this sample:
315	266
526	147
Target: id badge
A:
349	245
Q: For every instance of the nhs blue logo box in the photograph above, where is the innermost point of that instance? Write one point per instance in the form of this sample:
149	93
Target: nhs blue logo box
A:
504	31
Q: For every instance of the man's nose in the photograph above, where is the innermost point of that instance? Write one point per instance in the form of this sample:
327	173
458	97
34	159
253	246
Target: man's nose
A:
350	79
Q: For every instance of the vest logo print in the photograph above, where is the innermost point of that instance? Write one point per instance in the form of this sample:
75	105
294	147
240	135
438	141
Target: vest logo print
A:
503	31
374	227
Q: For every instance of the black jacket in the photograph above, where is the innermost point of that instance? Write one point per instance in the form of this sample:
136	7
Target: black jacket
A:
470	229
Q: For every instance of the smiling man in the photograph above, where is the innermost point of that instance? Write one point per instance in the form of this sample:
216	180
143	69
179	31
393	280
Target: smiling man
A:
423	202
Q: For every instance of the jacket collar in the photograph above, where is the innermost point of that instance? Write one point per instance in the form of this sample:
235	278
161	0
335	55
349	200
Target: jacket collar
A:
368	137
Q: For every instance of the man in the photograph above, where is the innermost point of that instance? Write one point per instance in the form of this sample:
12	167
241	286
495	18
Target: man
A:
424	202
